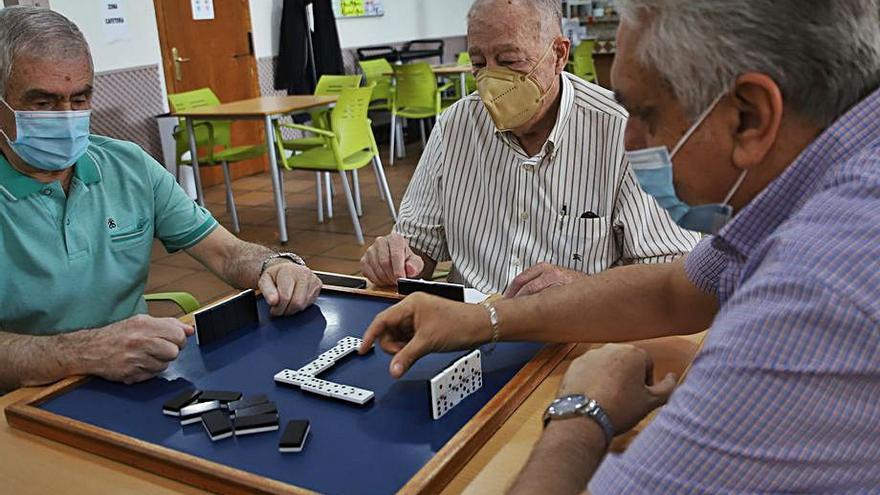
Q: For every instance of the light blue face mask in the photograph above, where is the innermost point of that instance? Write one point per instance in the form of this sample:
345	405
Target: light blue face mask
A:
653	169
50	141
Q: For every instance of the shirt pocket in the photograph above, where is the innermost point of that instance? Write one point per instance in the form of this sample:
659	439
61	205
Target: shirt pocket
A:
134	234
582	243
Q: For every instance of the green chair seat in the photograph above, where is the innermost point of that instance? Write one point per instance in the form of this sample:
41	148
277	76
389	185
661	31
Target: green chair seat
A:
233	154
303	144
184	300
417	113
324	159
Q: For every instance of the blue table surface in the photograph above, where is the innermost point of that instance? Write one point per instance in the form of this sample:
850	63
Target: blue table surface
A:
375	448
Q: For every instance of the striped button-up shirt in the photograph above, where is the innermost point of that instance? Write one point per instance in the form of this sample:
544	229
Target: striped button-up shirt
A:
785	395
482	202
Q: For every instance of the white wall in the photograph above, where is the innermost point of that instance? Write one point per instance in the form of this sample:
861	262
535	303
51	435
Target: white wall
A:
142	47
404	20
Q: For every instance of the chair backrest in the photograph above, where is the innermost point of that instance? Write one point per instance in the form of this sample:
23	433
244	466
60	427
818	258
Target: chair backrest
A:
349	121
189	100
333	85
582	63
464	58
375	73
416	86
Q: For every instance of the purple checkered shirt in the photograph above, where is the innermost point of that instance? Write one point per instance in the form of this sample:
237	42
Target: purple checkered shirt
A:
785	395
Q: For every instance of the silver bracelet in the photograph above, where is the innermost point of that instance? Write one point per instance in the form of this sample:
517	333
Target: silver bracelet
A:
493	320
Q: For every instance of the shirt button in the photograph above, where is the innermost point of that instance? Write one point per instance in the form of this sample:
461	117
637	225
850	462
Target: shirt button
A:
528	167
524	216
47	192
515	261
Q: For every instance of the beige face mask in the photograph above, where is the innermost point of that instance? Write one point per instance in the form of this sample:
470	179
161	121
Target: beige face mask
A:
511	97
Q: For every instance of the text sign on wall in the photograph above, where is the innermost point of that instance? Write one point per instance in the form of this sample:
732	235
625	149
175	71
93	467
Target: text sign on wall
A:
113	18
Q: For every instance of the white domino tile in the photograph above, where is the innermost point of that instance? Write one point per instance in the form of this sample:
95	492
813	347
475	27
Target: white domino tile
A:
306	377
455	383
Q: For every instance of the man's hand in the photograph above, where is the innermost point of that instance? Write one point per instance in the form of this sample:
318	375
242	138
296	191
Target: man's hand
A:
620	378
288	287
391	258
539	277
421	324
135	349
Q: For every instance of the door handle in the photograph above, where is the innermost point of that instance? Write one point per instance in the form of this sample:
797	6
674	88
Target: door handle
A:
176	59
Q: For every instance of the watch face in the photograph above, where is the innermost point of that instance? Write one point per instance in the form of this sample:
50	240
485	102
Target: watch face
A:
568	405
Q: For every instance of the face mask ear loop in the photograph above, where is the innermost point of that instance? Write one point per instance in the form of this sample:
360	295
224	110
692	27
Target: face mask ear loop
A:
690	132
742	178
538	64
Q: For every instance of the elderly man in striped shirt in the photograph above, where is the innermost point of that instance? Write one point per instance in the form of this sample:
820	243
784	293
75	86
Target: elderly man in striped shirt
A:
529	174
771	110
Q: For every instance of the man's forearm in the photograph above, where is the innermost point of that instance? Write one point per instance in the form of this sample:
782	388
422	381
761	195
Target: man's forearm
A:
619	305
27	360
241	268
564	459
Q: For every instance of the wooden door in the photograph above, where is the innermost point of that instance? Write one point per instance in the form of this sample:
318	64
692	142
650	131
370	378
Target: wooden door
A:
215	53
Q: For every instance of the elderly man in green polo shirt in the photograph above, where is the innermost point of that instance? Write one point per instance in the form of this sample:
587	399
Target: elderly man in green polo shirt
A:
78	214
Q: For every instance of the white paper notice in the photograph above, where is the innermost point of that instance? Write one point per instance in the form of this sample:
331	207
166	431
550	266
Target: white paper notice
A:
203	10
114	21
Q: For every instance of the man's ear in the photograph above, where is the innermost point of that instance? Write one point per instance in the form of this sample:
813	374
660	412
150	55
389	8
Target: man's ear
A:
760	106
561	48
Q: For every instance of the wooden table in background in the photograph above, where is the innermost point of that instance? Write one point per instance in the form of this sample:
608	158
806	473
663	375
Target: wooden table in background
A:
34	465
266	109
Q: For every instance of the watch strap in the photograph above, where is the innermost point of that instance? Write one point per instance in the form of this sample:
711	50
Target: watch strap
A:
295	258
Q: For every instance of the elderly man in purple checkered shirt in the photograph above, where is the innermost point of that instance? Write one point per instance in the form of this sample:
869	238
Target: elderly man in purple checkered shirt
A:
758	122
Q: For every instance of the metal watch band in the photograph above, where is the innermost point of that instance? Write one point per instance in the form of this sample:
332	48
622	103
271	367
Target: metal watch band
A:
590	409
493	320
295	258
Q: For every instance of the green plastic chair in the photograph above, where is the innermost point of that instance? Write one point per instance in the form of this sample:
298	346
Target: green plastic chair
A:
416	96
349	145
327	85
470	81
581	63
213	140
184	300
377	72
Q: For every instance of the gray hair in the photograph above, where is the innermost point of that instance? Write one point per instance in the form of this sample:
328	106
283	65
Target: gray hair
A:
824	55
548	11
37	32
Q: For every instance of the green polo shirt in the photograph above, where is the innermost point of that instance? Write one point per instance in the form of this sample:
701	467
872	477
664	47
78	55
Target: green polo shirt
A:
81	260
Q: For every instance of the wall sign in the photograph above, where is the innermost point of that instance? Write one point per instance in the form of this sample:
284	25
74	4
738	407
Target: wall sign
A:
203	10
114	21
358	8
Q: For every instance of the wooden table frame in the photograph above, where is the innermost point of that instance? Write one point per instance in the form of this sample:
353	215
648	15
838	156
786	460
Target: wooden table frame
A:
266	109
432	478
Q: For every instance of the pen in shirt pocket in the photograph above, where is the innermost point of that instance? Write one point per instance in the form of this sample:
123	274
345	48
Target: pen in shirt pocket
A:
563	213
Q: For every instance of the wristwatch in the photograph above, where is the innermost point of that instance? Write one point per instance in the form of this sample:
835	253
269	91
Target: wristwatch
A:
572	406
288	256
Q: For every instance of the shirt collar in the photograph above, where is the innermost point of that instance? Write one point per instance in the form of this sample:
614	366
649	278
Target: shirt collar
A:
845	138
557	134
20	186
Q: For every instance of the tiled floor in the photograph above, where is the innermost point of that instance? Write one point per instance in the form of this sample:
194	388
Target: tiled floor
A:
329	246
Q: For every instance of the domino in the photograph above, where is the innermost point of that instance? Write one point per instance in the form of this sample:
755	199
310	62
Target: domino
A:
290	377
261	423
193	413
247	402
222	396
185	398
258	410
217	424
216	321
455	383
294	437
337	391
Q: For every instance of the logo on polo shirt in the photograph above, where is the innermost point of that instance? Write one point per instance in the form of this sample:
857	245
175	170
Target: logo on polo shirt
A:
111	224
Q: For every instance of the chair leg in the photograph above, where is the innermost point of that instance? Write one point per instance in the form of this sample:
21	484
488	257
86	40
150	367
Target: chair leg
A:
329	179
357	192
319	190
351	209
281	186
328	189
378	182
393	139
230	200
383	185
401	144
422	128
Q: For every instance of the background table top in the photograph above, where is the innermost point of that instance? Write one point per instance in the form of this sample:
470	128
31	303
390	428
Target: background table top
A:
261	106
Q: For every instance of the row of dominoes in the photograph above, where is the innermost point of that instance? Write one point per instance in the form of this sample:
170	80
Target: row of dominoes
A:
452	385
306	377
